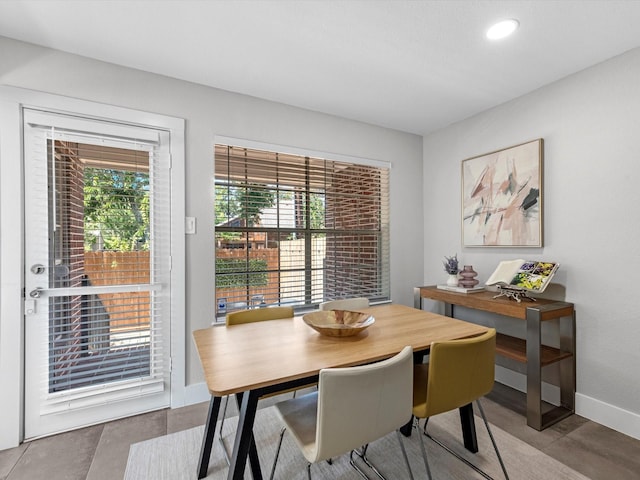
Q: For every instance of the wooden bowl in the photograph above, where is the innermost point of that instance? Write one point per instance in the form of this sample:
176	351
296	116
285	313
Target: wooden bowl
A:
338	323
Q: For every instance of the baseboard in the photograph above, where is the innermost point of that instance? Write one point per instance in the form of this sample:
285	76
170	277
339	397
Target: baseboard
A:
618	419
608	415
196	393
511	379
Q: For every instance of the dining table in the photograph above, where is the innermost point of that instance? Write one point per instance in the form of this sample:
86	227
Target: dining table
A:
256	359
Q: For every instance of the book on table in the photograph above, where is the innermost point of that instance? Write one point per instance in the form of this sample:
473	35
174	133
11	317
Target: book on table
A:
530	275
458	289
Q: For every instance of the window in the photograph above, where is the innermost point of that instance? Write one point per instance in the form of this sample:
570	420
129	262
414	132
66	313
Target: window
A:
298	230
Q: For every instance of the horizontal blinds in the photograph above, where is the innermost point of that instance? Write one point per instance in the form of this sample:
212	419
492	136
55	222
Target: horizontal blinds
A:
81	127
108	335
104	304
294	229
102	193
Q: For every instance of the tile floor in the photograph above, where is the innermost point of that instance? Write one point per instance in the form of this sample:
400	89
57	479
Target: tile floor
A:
100	452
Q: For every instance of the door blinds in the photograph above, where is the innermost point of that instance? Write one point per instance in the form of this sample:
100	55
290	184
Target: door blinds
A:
100	227
294	229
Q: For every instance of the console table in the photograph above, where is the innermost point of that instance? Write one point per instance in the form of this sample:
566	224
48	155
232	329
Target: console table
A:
530	350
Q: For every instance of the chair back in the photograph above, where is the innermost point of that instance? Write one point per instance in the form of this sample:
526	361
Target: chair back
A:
357	405
460	371
258	315
345	304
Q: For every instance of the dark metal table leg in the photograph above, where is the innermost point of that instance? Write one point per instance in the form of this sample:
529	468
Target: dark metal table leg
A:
466	413
406	429
534	369
209	432
418	358
568	367
244	446
468	428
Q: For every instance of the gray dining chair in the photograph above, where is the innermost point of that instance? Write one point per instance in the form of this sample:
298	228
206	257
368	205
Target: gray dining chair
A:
352	407
345	304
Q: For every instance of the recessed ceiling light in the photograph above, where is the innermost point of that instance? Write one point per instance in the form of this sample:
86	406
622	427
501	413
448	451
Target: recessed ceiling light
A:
502	29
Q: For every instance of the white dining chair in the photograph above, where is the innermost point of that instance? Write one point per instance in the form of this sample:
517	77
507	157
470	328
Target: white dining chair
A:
345	304
352	407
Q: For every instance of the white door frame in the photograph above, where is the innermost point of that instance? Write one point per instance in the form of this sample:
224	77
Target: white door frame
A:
12	100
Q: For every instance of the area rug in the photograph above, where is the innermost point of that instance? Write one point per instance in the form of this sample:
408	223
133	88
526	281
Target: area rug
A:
175	456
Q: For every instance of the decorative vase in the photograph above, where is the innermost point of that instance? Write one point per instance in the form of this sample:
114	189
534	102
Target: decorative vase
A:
468	277
453	280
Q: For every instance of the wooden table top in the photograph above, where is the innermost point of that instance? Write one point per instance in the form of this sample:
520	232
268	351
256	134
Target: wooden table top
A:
244	357
550	309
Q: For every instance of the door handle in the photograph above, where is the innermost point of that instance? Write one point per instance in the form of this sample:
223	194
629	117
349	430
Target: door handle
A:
35	293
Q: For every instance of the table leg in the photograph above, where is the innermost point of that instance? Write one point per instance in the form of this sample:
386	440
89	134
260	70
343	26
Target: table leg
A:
534	370
466	412
418	358
467	423
406	428
448	310
568	367
417	298
207	439
244	446
468	428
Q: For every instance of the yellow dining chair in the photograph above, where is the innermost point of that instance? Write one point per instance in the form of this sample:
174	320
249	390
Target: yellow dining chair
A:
458	373
352	407
345	304
250	316
258	315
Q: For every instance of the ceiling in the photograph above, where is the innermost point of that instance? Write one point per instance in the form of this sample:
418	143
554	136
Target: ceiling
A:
415	66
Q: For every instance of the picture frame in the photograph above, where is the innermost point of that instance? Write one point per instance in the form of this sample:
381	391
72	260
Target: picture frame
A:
502	197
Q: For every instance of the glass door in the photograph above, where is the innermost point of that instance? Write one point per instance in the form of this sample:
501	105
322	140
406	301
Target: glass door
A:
97	289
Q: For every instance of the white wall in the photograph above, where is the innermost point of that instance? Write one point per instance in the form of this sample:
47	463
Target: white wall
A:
590	125
210	112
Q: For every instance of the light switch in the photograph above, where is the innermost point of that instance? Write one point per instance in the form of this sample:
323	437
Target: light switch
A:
190	225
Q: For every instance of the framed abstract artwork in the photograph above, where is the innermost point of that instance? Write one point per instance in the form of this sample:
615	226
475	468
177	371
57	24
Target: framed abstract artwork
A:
502	197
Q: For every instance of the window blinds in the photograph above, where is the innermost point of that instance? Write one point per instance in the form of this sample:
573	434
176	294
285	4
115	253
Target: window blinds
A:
101	230
294	229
